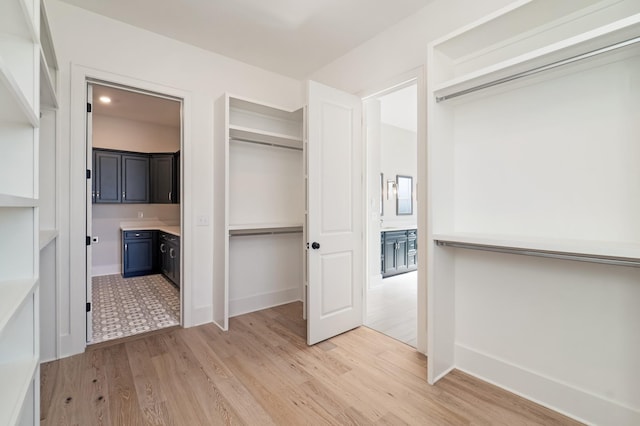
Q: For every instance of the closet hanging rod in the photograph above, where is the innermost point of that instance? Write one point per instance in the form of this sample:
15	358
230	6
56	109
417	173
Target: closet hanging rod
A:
540	69
254	233
276	145
618	261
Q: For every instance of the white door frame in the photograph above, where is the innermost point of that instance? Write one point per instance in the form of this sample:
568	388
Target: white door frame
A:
73	328
417	75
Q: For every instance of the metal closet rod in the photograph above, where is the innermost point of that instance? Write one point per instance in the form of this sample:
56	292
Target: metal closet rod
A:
540	69
246	234
618	261
265	143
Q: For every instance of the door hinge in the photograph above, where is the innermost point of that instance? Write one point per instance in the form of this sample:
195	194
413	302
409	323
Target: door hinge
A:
88	174
88	107
88	240
88	306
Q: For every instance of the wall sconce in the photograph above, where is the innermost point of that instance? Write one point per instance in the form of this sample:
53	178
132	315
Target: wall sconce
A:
392	189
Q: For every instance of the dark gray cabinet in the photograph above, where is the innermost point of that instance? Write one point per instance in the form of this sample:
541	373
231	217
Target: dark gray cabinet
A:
138	253
398	252
120	177
169	256
163	178
131	177
107	176
135	178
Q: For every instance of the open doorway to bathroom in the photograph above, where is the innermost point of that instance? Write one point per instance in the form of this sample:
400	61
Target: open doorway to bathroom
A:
133	212
391	299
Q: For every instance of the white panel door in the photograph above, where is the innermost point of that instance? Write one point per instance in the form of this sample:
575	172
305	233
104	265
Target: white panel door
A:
335	215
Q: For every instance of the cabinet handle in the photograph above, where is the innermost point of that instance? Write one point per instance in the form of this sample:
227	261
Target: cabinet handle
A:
171	253
98	194
169	195
126	246
124	195
137	235
162	249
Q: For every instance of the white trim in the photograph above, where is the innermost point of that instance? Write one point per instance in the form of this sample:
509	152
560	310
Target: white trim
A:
417	76
586	407
263	301
99	271
73	340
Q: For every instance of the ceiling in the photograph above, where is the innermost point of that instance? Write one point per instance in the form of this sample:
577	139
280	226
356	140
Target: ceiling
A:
290	37
136	106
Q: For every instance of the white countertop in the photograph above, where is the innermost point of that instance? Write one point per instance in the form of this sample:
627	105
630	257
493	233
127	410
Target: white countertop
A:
397	228
151	226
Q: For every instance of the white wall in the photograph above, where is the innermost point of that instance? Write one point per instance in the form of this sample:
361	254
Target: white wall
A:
131	135
144	59
398	150
106	256
403	47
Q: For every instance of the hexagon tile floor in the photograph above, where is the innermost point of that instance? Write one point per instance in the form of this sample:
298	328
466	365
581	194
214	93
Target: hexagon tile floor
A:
123	307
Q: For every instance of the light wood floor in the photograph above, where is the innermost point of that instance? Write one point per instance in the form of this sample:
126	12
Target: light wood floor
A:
392	307
262	372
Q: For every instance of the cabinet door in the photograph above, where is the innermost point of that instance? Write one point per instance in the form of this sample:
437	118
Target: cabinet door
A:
107	171
135	178
163	256
162	178
390	243
174	256
176	177
138	257
401	254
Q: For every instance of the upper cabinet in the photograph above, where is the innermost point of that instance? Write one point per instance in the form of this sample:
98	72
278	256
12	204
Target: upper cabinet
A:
134	178
162	178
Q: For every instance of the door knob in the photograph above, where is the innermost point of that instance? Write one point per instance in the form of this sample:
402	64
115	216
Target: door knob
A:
315	245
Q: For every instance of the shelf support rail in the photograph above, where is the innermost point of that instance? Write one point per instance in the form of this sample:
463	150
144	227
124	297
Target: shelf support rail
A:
607	260
275	145
540	69
254	233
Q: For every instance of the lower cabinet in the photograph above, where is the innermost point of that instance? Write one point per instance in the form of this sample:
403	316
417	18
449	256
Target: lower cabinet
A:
151	252
398	252
138	254
169	256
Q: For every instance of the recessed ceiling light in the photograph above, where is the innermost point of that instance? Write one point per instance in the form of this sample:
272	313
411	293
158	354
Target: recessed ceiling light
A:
105	99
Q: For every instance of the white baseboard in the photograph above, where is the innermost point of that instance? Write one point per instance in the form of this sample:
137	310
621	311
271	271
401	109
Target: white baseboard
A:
98	271
263	301
564	398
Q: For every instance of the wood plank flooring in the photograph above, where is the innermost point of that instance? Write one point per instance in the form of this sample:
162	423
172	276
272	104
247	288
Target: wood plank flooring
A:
262	373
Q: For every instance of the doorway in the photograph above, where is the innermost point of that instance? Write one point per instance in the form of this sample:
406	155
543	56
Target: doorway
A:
134	140
392	175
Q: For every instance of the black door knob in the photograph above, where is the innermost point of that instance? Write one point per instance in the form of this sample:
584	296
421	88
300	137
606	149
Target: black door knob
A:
315	245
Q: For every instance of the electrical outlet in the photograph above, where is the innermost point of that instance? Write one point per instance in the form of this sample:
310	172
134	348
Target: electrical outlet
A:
203	220
95	240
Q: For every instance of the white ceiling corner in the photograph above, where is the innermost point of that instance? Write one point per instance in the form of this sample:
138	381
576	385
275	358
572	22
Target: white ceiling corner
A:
289	37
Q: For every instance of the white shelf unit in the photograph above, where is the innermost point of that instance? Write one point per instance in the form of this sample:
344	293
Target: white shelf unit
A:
19	211
48	192
532	152
265	199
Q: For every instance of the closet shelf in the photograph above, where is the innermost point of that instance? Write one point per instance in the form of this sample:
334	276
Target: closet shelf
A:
12	295
15	201
16	379
47	236
48	96
599	38
264	228
247	134
605	250
23	28
14	106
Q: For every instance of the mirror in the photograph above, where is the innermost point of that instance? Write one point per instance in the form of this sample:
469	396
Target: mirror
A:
404	195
